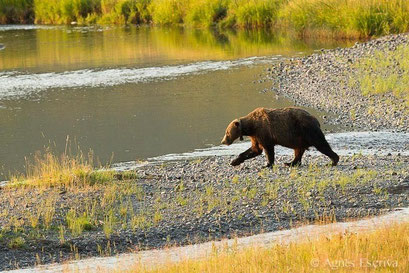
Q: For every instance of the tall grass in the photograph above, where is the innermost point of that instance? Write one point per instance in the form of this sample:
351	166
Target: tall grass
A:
92	11
48	170
385	250
168	12
63	11
350	18
206	13
124	12
254	13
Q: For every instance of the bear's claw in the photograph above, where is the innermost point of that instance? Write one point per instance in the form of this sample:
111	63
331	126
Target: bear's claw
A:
292	164
236	162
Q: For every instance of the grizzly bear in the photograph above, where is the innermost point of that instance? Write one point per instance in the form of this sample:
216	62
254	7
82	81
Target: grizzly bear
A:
290	127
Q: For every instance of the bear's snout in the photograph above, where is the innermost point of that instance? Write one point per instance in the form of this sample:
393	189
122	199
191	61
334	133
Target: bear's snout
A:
224	141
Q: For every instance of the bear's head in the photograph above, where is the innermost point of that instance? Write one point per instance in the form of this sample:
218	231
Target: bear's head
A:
233	132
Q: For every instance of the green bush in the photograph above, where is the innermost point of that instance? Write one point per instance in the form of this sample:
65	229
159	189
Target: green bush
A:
64	11
206	13
168	12
256	13
16	11
17	242
124	12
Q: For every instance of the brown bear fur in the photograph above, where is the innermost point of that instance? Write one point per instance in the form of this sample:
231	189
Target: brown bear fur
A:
290	127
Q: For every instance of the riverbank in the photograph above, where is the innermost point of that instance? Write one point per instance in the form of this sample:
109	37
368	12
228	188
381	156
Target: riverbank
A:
363	87
339	18
187	202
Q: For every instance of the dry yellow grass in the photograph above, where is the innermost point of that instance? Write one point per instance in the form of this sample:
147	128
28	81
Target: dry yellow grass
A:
48	170
384	250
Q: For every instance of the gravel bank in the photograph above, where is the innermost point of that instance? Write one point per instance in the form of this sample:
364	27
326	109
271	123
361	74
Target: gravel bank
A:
187	202
153	259
323	81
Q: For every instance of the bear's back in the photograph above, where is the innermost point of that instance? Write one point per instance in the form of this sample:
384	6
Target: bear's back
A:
292	116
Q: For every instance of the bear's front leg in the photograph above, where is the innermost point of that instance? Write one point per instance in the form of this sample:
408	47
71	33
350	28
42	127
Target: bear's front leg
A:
249	153
237	161
269	151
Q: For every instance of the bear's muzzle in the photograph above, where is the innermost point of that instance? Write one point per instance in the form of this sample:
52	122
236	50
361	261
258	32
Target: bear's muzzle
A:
225	141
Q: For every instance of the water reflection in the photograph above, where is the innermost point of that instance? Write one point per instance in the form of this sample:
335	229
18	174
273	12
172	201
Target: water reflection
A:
71	48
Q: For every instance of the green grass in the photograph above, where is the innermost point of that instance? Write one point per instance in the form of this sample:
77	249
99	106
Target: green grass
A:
17	242
206	13
255	13
78	223
91	11
383	72
345	18
168	12
348	17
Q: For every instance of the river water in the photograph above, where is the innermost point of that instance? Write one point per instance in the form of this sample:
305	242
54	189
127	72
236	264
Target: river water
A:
130	93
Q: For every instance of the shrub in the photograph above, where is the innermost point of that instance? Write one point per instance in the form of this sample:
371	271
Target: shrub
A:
168	12
206	13
16	11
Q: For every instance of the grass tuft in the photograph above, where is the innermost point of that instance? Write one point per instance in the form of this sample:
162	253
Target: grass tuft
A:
17	242
48	170
78	223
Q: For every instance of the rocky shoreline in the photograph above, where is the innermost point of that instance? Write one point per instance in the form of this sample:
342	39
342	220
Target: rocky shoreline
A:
187	202
191	201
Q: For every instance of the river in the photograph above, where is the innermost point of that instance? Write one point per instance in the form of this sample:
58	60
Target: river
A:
131	93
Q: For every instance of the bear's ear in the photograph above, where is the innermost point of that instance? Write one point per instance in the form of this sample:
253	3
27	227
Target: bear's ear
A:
237	124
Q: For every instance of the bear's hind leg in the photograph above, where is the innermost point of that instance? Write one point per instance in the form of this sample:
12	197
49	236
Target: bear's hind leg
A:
326	150
298	153
317	139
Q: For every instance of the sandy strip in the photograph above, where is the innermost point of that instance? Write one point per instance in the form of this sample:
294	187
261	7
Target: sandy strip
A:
153	258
